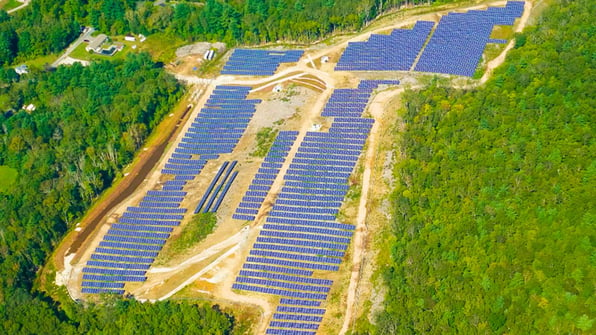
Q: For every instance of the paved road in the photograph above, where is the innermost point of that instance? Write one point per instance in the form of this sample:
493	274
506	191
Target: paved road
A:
73	46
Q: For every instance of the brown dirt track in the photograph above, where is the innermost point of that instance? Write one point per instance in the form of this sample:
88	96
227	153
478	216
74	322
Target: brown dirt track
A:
143	164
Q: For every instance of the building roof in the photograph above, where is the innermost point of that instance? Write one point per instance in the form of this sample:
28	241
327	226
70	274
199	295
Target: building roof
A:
96	42
21	69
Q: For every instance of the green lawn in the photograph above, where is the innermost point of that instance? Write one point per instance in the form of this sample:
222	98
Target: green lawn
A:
9	4
40	61
162	47
7	177
81	53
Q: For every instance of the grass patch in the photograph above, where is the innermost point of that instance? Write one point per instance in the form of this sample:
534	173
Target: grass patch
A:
196	230
82	54
9	4
265	138
162	47
211	68
8	176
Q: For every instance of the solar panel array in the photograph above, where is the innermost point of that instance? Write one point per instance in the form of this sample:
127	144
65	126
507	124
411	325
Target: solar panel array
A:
457	44
301	235
394	52
261	184
217	129
254	62
131	244
215	193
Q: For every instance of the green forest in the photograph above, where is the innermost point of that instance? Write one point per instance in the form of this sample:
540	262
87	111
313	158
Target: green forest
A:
48	26
494	221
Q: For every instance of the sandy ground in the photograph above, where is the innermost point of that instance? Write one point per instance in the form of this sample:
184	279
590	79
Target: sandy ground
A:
211	266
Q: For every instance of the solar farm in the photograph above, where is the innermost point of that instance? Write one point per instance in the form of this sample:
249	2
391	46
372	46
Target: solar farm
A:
291	202
455	47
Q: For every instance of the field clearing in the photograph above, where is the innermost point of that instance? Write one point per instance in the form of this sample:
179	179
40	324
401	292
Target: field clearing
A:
9	4
8	176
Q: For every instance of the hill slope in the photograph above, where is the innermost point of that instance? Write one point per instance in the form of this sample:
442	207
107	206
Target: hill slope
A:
494	217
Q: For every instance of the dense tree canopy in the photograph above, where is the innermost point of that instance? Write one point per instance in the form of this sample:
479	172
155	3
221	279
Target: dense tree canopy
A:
50	25
495	214
87	124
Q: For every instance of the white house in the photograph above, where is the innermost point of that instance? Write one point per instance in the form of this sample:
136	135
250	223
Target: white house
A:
96	42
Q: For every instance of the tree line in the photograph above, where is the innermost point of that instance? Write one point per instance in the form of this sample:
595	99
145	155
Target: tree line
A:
48	26
494	214
87	125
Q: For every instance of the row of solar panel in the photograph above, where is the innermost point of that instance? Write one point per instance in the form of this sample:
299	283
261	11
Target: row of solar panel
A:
116	258
153	216
111	278
289	286
125	252
372	84
179	161
134	240
114	272
115	265
305	258
314	244
129	246
276	276
314	210
301	250
314	191
276	291
309	318
311	303
101	290
271	268
148	222
156	210
142	228
298	203
309	197
318	224
137	234
295	264
314	236
277	331
298	325
102	284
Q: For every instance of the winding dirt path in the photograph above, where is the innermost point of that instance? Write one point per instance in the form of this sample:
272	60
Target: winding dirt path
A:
490	67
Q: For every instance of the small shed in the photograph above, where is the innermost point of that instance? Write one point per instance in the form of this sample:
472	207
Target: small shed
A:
325	59
130	38
21	69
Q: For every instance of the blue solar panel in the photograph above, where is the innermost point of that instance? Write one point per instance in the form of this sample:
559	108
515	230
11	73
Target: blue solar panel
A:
305	236
116	258
277	276
311	303
258	62
291	263
457	44
101	290
131	266
281	292
301	250
319	224
300	310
